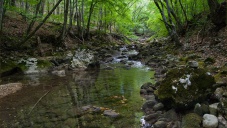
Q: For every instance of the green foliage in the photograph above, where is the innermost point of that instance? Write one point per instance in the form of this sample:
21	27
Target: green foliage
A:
126	17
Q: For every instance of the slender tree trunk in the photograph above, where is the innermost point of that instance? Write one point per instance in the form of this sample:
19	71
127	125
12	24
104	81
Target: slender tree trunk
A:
44	20
174	33
184	12
71	14
77	17
34	18
1	14
100	19
42	7
82	20
161	10
89	18
64	29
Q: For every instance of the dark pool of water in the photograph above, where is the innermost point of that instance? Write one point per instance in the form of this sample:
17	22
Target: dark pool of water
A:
52	101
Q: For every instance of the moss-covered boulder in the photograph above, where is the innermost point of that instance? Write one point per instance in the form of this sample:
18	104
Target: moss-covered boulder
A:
191	120
183	88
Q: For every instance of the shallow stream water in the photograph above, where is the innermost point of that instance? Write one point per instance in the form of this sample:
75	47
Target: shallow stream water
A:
68	102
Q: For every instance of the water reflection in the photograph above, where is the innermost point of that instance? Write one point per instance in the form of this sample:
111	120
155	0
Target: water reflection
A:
79	99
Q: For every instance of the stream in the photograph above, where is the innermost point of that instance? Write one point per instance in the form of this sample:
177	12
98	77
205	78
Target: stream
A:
80	99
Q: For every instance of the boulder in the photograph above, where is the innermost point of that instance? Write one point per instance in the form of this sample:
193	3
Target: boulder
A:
158	106
149	104
152	118
210	121
160	124
191	120
184	87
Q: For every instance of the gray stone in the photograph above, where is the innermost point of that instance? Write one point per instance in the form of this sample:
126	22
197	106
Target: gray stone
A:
210	121
205	108
60	73
149	104
198	109
152	118
174	124
171	115
150	97
213	109
143	91
111	113
158	106
218	93
222	122
160	124
86	108
193	64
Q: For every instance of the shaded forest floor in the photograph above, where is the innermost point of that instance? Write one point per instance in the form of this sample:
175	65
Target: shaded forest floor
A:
199	41
45	42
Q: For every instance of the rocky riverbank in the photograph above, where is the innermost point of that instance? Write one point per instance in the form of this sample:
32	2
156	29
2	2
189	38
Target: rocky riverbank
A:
190	88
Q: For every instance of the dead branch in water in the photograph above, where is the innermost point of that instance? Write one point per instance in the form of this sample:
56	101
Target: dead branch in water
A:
38	102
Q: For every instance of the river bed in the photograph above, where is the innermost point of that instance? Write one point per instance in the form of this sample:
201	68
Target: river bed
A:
77	100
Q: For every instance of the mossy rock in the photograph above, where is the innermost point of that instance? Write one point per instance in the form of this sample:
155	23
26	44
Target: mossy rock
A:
191	120
9	67
174	93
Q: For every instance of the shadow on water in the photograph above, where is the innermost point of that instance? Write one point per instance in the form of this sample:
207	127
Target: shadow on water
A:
76	100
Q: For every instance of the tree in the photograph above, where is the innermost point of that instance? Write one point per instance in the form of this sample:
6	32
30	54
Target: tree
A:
64	29
34	18
218	13
44	20
1	14
93	3
168	21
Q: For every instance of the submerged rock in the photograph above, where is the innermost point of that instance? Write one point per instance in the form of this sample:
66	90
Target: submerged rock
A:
183	88
60	73
111	113
9	88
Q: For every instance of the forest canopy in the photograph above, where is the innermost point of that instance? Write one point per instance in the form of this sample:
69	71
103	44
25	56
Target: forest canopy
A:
154	18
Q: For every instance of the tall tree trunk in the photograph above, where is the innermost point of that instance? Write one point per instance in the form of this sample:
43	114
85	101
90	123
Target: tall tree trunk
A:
184	12
93	2
82	20
77	17
161	10
34	18
44	20
71	14
64	29
1	14
100	24
42	7
174	33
